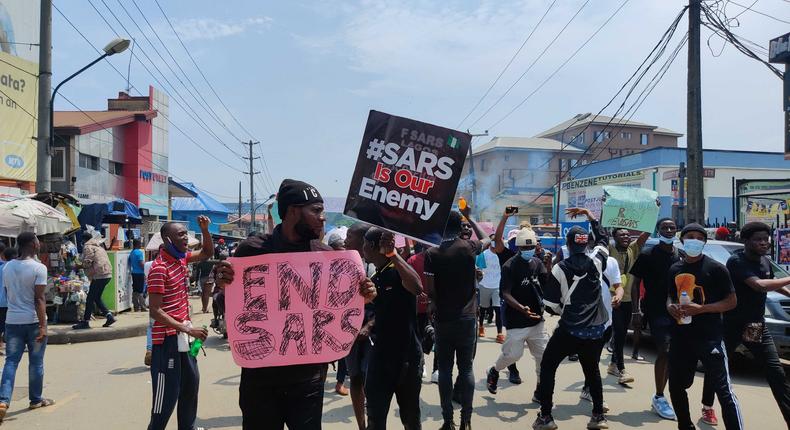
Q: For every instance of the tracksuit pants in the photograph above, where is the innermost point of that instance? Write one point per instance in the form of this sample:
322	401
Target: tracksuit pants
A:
175	380
683	356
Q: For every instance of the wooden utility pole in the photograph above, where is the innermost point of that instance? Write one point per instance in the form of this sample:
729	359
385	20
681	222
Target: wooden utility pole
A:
695	209
252	174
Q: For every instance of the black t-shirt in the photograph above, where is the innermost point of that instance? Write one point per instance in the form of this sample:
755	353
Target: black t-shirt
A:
396	317
505	255
705	281
275	242
452	265
652	267
751	303
524	280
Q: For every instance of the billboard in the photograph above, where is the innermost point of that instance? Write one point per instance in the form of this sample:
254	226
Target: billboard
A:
19	27
763	200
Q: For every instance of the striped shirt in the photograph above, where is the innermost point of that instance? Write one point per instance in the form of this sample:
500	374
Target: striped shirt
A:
169	277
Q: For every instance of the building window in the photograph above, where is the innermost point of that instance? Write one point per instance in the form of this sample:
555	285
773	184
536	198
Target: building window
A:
533	220
578	140
116	168
563	165
600	136
89	161
483	165
643	138
626	135
58	167
507	158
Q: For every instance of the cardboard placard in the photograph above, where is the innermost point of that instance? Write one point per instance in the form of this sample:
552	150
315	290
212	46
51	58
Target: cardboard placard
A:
406	176
631	208
294	308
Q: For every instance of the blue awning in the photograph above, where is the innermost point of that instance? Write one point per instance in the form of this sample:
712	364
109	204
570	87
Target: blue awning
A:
114	212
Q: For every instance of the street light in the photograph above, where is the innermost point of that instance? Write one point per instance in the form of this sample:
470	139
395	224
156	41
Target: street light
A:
116	46
253	221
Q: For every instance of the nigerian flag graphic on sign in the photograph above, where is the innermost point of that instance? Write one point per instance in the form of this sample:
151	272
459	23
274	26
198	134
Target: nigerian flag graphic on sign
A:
452	142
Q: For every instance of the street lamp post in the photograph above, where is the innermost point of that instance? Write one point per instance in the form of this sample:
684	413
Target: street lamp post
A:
252	221
116	46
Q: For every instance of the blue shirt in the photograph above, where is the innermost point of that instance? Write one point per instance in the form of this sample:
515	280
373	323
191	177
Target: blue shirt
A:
136	259
20	278
3	296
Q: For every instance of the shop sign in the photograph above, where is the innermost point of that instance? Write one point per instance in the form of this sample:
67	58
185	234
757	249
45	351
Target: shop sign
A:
605	179
152	176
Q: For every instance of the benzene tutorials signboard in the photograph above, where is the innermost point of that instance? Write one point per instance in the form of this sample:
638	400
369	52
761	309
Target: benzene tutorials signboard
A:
406	176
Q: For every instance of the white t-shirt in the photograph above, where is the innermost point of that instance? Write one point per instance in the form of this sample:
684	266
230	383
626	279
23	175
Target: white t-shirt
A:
492	272
20	278
612	273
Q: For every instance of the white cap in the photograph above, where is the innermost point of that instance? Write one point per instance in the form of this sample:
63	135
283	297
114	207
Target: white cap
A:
526	237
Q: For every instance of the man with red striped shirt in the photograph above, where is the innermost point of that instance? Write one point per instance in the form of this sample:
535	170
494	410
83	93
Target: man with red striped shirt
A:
174	373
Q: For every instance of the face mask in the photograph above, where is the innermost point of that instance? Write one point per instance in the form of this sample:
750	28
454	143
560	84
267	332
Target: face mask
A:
693	247
527	254
667	240
172	250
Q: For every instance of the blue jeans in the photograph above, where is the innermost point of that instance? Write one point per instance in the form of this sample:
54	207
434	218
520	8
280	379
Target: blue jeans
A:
17	337
456	340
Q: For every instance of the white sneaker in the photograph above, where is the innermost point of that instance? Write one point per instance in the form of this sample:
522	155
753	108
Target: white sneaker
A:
435	377
613	370
625	378
585	395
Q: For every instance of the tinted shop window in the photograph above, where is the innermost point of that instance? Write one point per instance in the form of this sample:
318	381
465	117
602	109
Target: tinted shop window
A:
58	167
89	162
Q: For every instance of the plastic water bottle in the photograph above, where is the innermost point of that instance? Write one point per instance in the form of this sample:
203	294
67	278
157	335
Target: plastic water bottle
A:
685	300
194	349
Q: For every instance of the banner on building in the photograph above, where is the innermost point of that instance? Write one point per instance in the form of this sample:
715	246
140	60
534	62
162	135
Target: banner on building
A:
631	208
763	200
294	308
783	247
406	176
18	88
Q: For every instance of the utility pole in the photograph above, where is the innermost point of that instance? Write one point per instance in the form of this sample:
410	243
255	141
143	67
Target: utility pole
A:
682	198
472	174
252	174
43	150
239	222
695	211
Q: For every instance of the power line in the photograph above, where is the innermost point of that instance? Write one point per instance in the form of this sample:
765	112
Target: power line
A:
557	36
751	9
35	75
17	104
518	51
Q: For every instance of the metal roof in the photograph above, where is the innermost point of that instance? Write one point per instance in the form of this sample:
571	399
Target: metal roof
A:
70	123
527	143
202	202
583	119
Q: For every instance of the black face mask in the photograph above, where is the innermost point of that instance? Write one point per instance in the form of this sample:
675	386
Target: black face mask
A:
305	232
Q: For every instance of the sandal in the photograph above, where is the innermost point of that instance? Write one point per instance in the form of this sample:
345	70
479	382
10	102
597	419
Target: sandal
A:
42	404
3	411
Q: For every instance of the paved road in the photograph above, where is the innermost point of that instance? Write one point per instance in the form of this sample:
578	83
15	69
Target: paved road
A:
105	385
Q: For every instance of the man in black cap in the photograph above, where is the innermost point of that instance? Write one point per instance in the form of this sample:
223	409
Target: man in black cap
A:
574	293
700	291
273	397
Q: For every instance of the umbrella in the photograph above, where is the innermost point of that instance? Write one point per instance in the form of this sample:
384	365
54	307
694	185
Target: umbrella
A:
156	242
23	214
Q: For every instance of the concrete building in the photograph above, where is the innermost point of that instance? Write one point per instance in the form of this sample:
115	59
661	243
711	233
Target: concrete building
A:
657	169
122	152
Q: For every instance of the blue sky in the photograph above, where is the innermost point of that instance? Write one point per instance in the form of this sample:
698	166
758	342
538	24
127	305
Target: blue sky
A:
301	76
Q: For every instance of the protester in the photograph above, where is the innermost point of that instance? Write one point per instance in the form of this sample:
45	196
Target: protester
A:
753	277
625	252
337	243
450	274
523	279
574	292
25	280
698	330
149	343
97	266
723	233
273	397
136	262
174	373
425	331
358	358
203	270
221	250
396	361
3	296
489	292
652	267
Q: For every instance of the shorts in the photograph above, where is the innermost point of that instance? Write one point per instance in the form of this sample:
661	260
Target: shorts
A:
660	330
489	297
358	358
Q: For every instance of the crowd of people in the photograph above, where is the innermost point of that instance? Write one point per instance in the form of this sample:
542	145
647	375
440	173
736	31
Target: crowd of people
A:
422	300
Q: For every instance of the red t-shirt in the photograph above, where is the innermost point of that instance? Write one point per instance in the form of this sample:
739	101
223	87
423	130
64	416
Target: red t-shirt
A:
169	277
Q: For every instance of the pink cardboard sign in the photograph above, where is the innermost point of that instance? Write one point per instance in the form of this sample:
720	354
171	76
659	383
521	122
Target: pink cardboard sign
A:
294	308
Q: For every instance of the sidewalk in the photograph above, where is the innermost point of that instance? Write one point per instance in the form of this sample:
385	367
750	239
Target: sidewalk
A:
128	324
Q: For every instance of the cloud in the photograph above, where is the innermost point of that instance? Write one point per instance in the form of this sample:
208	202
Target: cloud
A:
210	28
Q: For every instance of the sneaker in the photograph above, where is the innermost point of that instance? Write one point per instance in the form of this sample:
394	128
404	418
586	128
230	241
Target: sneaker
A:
663	408
82	325
598	421
435	377
110	320
491	380
624	378
481	331
448	425
41	404
544	423
214	323
573	357
637	357
613	370
585	395
513	376
147	359
341	389
535	398
709	416
500	338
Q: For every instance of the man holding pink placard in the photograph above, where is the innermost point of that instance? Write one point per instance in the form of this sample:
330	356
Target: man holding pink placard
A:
288	395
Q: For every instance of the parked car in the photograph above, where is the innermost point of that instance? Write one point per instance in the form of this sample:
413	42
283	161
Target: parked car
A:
777	306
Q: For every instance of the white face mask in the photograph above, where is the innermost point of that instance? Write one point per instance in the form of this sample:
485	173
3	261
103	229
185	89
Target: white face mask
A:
667	240
693	247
